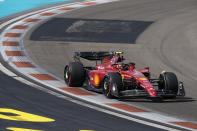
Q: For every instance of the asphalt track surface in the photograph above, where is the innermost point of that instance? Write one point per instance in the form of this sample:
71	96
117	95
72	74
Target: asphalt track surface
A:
167	43
68	116
16	96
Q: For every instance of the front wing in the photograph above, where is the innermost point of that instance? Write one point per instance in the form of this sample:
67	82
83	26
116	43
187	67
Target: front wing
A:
160	93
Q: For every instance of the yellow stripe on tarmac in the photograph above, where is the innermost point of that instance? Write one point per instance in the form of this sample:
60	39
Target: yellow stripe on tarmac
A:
21	129
22	116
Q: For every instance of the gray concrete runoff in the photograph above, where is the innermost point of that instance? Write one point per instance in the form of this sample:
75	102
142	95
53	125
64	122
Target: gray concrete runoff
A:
169	44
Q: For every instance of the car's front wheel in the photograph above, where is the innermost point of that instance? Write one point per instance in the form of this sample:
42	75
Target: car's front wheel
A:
112	85
168	81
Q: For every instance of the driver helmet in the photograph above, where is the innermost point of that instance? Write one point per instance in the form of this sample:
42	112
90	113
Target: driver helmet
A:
123	66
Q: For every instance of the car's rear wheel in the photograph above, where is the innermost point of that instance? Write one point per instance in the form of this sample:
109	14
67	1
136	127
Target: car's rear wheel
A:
112	85
74	74
168	81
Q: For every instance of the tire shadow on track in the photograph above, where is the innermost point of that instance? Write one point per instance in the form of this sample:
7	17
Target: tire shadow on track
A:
175	100
90	30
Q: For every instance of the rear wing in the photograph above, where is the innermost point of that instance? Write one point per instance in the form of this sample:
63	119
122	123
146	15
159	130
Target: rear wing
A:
92	55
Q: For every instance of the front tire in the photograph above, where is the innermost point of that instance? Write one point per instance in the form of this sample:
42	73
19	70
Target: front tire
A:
168	81
112	85
88	85
74	74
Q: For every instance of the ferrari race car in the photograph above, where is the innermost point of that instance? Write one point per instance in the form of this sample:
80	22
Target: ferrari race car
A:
114	78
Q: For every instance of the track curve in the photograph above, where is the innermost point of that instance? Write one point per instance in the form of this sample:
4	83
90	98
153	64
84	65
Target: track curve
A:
161	46
65	114
18	99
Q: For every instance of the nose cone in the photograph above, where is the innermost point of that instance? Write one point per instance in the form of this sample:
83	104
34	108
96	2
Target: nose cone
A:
152	93
150	90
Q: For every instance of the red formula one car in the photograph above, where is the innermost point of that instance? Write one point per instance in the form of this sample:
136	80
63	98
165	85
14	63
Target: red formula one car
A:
115	78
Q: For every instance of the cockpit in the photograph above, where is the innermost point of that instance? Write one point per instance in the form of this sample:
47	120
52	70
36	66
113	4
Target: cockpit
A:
124	67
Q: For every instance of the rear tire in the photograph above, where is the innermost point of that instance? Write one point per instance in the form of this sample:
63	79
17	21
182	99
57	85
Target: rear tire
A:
168	81
74	74
112	85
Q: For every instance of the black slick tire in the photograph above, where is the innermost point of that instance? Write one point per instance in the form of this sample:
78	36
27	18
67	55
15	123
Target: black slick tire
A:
74	74
111	82
168	81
